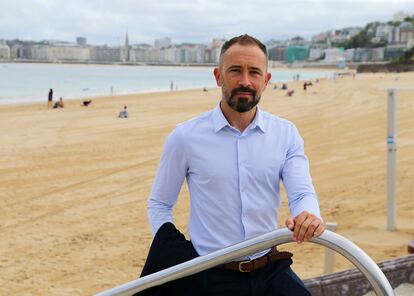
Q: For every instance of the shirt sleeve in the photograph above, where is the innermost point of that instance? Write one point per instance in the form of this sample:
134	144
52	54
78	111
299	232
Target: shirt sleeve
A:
296	177
170	175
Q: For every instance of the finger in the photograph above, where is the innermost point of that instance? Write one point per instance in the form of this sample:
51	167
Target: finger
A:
303	232
311	228
298	224
320	229
289	223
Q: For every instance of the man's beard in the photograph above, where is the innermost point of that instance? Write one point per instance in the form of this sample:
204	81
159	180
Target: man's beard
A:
243	104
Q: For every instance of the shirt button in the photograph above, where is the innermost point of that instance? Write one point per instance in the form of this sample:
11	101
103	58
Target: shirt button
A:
242	190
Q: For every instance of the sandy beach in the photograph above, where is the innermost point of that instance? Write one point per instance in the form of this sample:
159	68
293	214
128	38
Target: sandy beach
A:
74	181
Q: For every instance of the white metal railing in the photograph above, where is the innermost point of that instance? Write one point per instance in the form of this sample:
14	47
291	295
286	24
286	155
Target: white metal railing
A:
329	239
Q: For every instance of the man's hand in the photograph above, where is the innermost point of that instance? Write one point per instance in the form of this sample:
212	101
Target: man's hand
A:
305	226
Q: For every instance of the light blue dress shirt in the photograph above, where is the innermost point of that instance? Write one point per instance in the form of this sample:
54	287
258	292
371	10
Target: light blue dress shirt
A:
233	178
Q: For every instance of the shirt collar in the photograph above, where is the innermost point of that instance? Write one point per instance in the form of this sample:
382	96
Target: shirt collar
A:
220	121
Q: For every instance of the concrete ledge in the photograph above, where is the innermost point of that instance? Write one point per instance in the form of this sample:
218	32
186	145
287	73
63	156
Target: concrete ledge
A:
352	281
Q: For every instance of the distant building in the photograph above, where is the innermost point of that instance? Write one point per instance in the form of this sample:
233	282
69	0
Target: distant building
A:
393	52
277	53
296	53
20	51
68	53
316	53
191	53
208	56
39	52
300	41
406	32
105	54
402	34
125	56
162	42
216	45
169	54
382	32
81	41
140	53
4	51
349	55
369	54
334	55
319	38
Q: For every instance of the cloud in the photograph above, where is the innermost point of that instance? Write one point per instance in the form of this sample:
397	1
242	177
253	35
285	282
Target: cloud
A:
185	20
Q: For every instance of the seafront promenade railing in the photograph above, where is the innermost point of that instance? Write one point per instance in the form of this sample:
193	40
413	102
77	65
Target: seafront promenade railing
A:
329	239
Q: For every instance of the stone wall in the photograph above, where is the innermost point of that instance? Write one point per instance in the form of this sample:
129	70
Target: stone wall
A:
353	283
390	67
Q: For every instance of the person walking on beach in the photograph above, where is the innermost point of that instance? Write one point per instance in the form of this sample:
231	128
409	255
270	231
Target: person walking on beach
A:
50	98
233	158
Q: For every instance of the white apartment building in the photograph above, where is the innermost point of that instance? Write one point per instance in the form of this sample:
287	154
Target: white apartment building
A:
4	51
216	45
140	53
39	52
383	31
68	53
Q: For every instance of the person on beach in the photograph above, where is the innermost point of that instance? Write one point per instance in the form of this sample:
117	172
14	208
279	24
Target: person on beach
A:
50	98
233	158
86	103
124	113
59	104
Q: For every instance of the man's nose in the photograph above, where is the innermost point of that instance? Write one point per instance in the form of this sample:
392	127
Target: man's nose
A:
245	79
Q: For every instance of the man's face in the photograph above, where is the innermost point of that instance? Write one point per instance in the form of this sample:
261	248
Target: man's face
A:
242	76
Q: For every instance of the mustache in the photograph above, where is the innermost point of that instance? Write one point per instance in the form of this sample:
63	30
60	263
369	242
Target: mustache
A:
243	89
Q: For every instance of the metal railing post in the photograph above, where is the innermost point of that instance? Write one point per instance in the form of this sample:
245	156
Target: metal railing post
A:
329	254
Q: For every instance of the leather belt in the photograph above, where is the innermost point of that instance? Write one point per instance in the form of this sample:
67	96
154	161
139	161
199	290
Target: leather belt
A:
252	265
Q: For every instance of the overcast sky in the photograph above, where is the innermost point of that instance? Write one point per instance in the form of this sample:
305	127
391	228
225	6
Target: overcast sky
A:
106	21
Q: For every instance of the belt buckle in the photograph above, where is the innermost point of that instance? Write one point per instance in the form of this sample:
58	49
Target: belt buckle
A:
241	264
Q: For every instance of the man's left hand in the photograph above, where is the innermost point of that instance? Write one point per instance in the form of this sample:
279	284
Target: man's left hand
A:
305	226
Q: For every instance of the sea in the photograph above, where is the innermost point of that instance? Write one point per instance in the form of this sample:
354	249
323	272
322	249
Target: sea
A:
30	82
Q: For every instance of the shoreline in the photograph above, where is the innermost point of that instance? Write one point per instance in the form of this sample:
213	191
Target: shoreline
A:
95	91
272	64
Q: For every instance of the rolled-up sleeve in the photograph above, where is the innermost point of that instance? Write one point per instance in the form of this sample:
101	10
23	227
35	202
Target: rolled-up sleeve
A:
171	172
296	177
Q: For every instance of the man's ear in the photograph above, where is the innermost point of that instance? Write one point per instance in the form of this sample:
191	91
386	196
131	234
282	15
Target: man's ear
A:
268	77
217	75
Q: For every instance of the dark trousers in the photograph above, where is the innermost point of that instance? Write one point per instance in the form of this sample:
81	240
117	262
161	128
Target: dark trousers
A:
170	248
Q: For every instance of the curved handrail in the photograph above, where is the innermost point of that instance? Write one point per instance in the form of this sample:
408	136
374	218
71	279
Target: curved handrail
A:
276	237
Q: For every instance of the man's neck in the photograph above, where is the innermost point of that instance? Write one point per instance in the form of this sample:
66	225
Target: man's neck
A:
236	119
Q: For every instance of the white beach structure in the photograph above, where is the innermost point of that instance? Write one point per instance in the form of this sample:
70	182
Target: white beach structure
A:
333	55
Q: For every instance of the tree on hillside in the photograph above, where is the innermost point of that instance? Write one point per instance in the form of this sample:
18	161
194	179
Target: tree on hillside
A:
407	56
